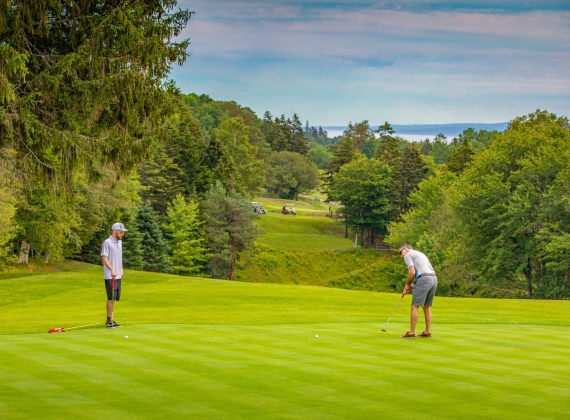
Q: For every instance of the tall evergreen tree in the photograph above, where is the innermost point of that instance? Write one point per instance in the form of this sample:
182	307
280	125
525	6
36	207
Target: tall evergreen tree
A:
298	143
343	153
154	245
189	251
461	156
229	223
132	243
87	79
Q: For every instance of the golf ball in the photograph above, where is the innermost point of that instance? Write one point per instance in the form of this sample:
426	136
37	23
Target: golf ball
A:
126	336
316	336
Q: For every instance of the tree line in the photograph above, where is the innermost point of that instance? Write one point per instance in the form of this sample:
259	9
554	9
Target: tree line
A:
93	132
490	209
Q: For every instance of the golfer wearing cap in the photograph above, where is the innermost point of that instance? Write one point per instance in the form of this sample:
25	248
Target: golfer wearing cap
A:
112	254
424	288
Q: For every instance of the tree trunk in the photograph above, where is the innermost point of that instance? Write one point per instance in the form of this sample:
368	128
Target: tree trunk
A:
46	257
355	240
24	253
232	262
528	276
346	227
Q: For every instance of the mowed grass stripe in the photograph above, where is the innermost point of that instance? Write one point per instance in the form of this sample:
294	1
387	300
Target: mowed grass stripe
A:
218	349
312	367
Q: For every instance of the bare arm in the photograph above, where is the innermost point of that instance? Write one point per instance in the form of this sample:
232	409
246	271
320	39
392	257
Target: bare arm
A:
107	264
411	276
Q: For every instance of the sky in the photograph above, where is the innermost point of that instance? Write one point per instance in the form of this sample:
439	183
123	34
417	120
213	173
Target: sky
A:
405	62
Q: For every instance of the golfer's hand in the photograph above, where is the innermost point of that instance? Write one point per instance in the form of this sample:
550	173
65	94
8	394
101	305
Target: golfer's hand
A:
407	289
113	274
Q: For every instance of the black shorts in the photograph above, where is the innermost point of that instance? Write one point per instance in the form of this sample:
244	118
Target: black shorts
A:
117	289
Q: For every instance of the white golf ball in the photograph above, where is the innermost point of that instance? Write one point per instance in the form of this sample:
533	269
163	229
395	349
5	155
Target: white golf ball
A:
316	336
126	336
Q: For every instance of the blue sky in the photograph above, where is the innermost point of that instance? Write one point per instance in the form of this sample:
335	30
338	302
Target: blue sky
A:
406	62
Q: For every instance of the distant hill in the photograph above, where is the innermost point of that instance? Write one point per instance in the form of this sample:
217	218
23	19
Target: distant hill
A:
433	129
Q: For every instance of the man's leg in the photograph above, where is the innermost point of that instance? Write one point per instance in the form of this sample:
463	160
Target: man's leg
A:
413	319
427	314
110	304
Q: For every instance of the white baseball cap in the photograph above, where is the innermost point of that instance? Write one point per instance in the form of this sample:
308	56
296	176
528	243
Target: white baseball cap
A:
119	226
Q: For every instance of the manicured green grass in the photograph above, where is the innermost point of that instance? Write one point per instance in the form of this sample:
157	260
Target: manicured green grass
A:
303	233
303	206
218	349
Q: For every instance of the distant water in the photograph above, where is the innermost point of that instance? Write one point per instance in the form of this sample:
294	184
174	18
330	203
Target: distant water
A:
419	132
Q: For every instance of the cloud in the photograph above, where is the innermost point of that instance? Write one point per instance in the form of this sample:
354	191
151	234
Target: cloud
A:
336	58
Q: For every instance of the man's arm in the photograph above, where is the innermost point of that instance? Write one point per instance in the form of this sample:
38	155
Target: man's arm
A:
108	265
411	276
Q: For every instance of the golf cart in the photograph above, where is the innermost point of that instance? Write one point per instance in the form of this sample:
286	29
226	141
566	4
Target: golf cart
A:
288	209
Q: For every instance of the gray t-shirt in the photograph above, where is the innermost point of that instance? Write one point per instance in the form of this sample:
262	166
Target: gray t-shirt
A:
113	250
419	261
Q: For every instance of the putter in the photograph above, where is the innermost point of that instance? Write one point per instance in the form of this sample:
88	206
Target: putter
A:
386	326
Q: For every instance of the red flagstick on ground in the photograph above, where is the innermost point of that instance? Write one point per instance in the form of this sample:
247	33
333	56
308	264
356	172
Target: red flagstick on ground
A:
63	329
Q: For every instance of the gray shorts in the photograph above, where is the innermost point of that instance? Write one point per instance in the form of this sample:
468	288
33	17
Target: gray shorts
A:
424	291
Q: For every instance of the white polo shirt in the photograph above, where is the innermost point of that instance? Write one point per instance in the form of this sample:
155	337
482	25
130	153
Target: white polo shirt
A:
419	261
113	250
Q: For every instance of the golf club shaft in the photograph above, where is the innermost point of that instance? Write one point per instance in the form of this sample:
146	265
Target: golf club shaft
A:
112	297
398	304
82	326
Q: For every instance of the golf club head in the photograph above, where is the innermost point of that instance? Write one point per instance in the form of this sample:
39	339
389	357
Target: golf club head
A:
383	330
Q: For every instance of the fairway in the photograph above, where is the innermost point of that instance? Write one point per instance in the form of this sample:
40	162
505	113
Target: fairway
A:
202	348
303	233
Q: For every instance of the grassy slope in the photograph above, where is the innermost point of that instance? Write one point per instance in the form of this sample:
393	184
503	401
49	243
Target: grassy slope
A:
303	233
219	349
305	250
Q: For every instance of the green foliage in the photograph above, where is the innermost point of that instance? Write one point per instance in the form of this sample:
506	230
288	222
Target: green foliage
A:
290	174
8	224
284	134
501	228
317	135
187	239
408	169
319	155
133	256
48	225
229	224
422	220
154	245
84	86
461	157
440	149
361	137
233	136
363	187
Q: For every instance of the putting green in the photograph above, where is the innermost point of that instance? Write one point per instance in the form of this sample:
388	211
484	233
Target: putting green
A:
218	349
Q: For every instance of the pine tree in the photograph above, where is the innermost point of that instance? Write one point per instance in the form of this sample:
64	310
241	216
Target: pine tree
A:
189	251
162	179
343	153
84	84
229	223
461	156
132	243
154	246
298	143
